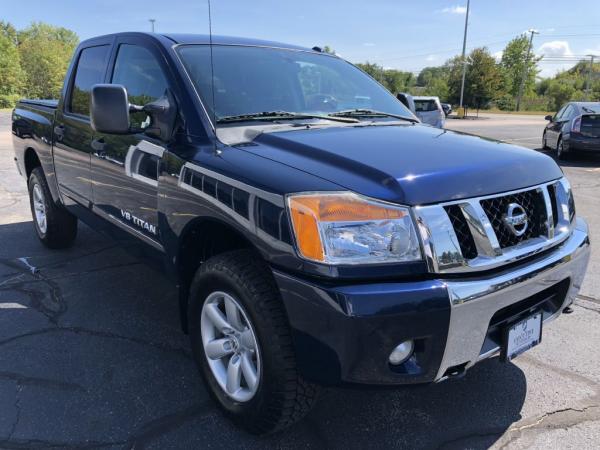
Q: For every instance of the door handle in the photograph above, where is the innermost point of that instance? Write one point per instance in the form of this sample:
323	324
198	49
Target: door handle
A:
59	132
98	145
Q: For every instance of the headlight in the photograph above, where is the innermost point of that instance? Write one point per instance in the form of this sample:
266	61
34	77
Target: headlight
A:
345	228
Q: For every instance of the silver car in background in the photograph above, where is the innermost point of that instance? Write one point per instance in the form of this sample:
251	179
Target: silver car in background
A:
429	110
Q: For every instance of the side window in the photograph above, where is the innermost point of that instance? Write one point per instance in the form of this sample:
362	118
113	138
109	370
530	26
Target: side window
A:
89	71
560	112
137	69
569	112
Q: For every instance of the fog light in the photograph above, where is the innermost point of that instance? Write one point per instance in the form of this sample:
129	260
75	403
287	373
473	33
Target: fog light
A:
402	352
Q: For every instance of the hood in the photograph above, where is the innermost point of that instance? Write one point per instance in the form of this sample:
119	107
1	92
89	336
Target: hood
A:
408	164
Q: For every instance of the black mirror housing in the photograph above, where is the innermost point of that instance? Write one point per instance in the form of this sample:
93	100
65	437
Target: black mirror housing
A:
548	118
109	109
163	112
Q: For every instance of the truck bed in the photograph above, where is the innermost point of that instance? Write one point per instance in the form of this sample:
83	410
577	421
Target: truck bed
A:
50	103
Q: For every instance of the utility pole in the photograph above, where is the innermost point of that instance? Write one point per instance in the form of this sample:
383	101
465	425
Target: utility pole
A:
152	23
526	68
464	61
589	77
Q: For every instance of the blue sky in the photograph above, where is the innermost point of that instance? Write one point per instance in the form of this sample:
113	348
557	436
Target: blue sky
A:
407	35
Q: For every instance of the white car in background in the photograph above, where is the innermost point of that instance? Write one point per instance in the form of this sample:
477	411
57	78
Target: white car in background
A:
429	110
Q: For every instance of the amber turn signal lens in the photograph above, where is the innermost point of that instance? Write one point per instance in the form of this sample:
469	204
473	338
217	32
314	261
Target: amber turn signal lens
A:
307	211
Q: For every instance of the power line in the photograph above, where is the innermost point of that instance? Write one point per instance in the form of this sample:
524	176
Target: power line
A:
526	67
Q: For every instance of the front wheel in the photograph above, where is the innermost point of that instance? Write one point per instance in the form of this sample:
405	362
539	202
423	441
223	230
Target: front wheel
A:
242	344
544	142
54	225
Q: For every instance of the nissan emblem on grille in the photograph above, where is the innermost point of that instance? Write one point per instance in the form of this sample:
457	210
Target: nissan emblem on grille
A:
516	219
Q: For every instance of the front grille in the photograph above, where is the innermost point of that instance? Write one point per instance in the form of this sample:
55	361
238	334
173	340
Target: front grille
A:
532	202
461	228
553	203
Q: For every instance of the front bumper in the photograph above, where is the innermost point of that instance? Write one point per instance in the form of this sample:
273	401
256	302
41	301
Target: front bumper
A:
345	334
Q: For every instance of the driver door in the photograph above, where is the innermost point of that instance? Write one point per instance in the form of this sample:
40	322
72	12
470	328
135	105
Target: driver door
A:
125	168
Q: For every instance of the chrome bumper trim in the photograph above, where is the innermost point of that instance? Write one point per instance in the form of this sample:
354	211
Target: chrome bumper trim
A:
474	302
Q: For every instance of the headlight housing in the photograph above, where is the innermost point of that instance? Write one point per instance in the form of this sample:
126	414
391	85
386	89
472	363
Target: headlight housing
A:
346	228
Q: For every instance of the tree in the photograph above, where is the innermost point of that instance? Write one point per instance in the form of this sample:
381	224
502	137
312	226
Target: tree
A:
328	49
514	65
394	80
45	52
434	81
482	81
11	75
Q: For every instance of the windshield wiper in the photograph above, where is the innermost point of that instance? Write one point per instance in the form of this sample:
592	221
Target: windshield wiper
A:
278	115
370	113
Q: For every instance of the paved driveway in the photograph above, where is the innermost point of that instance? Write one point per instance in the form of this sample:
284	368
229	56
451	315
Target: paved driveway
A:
91	356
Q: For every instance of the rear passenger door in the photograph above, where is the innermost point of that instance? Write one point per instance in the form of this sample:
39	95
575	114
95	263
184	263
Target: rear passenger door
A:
125	167
72	130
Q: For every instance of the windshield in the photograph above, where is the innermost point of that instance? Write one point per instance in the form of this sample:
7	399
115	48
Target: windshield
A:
250	80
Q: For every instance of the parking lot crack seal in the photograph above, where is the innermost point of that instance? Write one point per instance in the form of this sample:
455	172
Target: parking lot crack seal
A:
98	333
23	380
559	419
588	308
161	426
17	409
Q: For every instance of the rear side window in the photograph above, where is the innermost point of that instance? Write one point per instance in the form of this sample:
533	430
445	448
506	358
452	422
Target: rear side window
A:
137	69
425	105
568	113
90	71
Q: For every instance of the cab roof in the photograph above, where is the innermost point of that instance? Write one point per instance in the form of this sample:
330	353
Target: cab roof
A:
181	38
227	40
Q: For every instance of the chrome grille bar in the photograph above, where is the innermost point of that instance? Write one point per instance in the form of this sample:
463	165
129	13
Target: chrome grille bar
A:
441	244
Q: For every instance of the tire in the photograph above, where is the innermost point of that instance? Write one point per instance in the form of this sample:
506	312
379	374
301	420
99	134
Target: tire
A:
281	396
55	226
561	154
544	143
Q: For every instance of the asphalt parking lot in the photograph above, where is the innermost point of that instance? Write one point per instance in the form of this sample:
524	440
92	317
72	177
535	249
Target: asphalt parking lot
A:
91	354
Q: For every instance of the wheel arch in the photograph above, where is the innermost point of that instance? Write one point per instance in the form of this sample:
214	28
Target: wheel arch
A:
201	239
31	160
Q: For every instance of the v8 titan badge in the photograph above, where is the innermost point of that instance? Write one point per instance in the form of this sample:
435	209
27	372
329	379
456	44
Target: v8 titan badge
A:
523	335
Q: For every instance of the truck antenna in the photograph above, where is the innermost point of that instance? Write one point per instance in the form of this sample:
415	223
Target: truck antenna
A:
212	72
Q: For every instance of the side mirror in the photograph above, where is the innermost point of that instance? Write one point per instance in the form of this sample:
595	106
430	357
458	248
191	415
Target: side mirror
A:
109	109
548	118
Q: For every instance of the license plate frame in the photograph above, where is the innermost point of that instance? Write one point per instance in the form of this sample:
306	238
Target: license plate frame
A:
522	335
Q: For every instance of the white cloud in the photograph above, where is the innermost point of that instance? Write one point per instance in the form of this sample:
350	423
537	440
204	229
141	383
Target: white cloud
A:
454	10
498	55
431	58
555	48
592	51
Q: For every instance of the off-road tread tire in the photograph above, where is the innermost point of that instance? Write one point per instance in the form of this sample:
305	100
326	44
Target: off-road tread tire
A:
61	228
285	397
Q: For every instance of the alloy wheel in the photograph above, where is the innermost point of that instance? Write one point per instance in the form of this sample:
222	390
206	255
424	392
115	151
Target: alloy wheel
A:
230	346
39	208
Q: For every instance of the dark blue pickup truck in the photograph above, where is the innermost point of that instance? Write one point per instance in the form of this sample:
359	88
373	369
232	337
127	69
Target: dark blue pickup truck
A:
318	233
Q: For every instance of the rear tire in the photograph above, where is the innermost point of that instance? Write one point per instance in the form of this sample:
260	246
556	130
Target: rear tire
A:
280	395
561	154
55	226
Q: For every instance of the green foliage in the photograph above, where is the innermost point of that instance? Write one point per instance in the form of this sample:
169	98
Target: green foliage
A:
482	82
394	80
11	75
514	65
434	81
45	53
